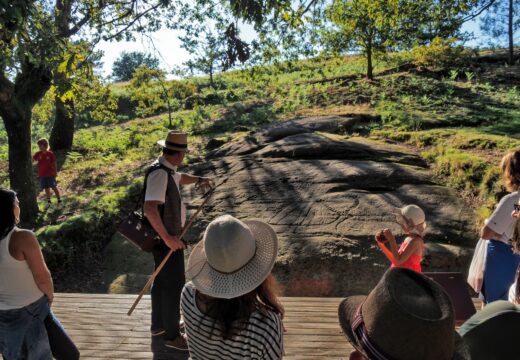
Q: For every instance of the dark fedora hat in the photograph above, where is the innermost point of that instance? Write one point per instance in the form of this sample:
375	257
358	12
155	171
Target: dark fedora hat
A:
491	334
405	317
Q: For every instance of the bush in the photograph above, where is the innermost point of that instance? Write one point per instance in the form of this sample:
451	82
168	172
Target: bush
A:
440	53
78	242
462	171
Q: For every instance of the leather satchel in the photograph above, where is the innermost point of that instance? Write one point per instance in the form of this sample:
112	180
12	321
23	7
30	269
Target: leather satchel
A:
135	227
138	231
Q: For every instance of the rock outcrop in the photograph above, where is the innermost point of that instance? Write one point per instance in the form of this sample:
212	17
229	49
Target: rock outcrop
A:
326	195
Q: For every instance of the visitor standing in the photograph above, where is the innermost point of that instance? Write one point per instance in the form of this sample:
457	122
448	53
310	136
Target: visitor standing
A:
412	220
166	212
26	293
501	262
47	170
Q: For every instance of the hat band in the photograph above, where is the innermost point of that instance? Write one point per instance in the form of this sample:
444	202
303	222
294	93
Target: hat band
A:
237	270
360	330
169	143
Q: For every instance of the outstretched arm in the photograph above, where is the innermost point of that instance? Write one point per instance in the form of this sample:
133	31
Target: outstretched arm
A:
187	179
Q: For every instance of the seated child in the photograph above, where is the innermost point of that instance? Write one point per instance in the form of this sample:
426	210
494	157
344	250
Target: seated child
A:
411	218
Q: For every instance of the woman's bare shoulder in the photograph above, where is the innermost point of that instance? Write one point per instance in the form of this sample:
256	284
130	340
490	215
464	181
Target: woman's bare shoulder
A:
23	237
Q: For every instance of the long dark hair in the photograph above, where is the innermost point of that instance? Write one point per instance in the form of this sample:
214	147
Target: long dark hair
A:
230	316
7	220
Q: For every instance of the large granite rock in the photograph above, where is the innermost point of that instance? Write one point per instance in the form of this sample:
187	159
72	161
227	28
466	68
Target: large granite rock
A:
326	196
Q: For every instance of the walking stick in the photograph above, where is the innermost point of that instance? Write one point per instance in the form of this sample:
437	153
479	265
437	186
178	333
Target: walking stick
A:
207	196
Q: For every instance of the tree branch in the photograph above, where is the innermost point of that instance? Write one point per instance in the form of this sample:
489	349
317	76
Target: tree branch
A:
73	30
129	25
480	11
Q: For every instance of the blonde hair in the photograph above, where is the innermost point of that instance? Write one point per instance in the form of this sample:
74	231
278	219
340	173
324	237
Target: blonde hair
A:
43	142
510	166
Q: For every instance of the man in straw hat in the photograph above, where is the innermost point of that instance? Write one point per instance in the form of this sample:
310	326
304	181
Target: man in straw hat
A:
405	317
230	306
166	212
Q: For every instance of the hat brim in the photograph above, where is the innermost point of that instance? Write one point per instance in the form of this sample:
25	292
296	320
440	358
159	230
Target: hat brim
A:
227	286
347	309
162	143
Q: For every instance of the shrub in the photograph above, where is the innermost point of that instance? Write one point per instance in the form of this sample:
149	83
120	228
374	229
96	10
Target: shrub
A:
462	171
440	53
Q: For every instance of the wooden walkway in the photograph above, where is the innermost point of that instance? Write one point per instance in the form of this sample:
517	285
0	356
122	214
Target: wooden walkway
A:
99	326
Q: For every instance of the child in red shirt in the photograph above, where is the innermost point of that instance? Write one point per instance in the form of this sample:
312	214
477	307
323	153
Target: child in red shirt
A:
47	169
409	255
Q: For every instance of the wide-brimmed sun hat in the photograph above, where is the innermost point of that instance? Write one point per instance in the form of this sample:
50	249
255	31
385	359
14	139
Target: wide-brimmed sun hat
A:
405	317
233	258
175	140
411	218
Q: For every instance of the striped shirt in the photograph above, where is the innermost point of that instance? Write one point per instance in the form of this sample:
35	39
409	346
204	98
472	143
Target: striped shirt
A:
261	338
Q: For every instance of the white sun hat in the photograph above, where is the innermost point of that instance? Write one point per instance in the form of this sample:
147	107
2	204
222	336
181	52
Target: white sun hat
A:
233	258
412	219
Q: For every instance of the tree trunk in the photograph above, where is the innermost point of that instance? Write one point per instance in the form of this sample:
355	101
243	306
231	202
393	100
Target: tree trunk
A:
62	133
16	103
510	33
18	127
211	83
370	75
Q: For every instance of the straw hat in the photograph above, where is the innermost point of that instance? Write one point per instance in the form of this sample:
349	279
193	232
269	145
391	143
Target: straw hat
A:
175	140
405	317
233	258
411	218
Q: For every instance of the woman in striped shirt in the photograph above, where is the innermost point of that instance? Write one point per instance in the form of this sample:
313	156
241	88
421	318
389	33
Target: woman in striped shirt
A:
229	307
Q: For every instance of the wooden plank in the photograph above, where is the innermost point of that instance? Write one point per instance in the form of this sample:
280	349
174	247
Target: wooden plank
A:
101	329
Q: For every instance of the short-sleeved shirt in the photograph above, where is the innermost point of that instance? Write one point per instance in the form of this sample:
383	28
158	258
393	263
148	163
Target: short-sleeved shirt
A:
46	163
262	337
501	221
512	293
158	182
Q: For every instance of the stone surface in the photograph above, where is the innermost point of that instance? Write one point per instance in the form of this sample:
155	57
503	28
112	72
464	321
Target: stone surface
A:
326	196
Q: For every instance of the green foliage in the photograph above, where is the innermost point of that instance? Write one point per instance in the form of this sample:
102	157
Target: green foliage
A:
366	25
462	170
128	62
97	105
497	21
439	54
153	94
79	240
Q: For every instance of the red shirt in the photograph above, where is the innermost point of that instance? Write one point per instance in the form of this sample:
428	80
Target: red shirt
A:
414	261
46	163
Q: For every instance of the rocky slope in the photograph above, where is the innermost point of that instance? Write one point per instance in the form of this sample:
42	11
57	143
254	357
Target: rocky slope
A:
326	195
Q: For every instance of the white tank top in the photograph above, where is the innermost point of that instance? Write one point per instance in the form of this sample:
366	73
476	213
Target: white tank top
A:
17	285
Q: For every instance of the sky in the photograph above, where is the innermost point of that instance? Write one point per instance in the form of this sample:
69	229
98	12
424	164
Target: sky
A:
165	45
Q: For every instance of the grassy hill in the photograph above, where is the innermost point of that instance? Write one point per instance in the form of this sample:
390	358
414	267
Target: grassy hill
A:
460	119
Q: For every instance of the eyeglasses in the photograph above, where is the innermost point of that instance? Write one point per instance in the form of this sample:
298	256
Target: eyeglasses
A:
516	207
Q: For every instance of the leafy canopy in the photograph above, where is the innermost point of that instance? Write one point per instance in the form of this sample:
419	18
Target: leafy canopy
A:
124	67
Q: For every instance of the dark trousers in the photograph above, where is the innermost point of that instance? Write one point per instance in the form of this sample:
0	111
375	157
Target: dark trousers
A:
62	346
166	291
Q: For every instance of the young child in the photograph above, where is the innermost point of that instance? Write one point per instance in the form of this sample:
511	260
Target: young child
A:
47	169
410	253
